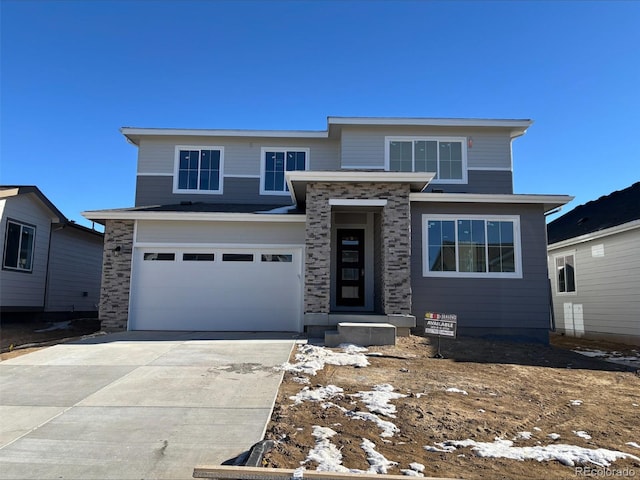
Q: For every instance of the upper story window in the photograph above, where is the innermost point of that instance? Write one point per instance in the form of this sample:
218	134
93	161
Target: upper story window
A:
471	246
18	246
198	170
444	156
275	162
565	274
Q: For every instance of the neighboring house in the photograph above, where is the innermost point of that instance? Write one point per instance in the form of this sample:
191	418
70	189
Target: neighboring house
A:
594	254
372	219
50	265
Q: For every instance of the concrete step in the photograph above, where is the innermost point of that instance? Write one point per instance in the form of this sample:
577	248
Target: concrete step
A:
365	334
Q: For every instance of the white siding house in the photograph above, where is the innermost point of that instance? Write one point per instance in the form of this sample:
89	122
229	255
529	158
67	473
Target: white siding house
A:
594	260
49	264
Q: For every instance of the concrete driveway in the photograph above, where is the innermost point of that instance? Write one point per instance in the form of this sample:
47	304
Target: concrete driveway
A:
137	405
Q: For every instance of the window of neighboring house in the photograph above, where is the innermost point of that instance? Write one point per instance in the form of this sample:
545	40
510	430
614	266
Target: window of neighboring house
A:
444	156
566	274
198	170
469	246
275	162
18	246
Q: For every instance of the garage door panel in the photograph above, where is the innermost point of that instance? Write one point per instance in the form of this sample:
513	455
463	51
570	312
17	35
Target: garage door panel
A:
217	295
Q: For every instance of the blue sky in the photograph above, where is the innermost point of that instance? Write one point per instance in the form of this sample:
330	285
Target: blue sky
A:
73	73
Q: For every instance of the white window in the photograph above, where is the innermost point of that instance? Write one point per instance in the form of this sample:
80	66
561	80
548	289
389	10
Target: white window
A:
198	170
566	274
275	162
444	156
471	246
19	243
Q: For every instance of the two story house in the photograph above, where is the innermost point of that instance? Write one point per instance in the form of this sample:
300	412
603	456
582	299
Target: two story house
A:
372	219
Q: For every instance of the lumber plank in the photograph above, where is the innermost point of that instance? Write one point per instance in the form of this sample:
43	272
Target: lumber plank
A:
231	472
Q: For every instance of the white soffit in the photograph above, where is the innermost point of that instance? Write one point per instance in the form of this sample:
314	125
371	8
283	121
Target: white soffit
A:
549	202
101	215
297	180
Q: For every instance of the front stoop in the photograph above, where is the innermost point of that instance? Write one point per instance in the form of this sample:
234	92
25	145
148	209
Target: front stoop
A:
365	334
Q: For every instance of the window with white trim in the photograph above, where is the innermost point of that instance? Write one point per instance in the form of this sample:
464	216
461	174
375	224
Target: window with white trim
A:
275	162
19	244
566	274
198	170
471	246
444	156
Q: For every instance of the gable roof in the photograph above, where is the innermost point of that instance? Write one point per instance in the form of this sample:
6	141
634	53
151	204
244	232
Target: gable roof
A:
611	210
7	191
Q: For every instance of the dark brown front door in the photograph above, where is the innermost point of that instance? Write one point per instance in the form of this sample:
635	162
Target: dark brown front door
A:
350	271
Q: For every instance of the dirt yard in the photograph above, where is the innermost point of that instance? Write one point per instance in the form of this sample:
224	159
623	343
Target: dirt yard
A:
531	395
18	338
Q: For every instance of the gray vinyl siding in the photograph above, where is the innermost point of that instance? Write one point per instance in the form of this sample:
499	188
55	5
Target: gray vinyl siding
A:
510	307
210	233
364	147
22	289
480	181
241	154
158	190
607	287
75	266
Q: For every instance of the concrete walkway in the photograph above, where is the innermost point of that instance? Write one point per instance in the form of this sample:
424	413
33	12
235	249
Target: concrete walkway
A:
137	405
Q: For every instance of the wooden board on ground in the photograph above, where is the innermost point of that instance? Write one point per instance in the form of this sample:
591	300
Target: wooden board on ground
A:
257	473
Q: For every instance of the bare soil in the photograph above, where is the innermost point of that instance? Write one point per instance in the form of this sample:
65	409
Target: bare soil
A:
21	337
511	388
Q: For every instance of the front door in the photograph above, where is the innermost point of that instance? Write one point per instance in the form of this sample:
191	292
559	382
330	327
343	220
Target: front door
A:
350	271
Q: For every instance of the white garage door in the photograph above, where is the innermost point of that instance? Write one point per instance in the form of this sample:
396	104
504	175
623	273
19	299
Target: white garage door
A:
216	289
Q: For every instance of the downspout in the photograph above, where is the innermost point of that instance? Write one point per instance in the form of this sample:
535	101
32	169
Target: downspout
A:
46	277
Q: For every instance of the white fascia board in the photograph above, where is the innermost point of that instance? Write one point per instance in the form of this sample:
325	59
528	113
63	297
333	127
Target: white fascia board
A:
431	122
548	201
358	176
100	215
625	227
134	133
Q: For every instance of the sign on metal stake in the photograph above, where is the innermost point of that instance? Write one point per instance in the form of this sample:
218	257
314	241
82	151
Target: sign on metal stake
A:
440	325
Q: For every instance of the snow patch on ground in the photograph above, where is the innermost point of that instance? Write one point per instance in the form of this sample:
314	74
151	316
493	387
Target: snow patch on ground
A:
553	436
56	326
575	403
613	357
582	434
378	463
311	358
325	453
410	473
378	399
569	455
318	395
302	380
388	428
633	444
523	436
456	390
440	447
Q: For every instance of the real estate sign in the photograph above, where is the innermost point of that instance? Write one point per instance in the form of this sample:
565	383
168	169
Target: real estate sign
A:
441	324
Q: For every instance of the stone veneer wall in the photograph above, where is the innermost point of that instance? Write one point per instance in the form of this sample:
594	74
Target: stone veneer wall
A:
116	275
396	243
